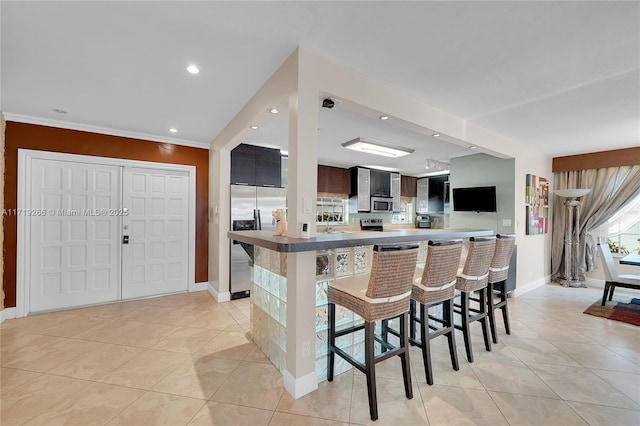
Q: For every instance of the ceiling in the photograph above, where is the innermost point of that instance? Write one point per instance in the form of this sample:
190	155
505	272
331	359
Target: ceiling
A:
561	77
341	124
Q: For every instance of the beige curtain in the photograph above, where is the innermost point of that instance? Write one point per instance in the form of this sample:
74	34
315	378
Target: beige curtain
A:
611	189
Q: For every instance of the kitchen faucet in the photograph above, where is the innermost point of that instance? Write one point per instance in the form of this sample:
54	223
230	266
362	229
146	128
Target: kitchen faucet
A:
329	229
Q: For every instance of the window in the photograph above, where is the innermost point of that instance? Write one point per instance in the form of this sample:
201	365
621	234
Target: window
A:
405	215
623	229
331	211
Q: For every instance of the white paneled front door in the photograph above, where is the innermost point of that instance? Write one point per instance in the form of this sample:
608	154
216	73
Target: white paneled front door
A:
75	249
155	258
75	216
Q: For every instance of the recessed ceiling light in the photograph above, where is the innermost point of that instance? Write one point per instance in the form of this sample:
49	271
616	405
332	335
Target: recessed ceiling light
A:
436	165
193	69
273	110
253	127
168	147
472	147
173	130
436	135
384	117
59	111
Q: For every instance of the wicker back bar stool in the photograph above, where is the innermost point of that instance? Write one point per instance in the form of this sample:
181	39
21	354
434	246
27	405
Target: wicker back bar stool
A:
496	286
474	278
382	295
434	285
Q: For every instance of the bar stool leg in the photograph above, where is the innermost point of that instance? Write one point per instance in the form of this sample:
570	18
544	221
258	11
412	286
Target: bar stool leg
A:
424	340
485	321
491	313
464	302
370	368
447	309
331	314
384	333
505	312
412	319
404	357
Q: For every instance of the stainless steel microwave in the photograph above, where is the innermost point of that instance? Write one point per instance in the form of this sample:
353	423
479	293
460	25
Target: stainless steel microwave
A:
381	204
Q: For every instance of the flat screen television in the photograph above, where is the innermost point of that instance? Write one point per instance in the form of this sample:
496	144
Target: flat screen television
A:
476	199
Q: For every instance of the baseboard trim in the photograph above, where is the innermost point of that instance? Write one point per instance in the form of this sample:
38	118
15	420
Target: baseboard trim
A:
220	297
198	286
520	290
302	386
7	313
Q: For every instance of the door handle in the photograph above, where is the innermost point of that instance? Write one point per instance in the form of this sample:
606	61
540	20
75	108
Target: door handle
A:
125	239
257	222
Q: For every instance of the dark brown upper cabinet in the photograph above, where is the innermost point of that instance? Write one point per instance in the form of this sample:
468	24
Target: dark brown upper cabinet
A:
436	193
334	180
408	186
256	165
433	192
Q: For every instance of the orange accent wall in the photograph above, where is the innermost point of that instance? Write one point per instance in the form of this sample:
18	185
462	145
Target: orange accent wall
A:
43	138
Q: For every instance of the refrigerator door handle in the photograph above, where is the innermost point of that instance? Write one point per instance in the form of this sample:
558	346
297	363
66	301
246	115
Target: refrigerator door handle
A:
256	218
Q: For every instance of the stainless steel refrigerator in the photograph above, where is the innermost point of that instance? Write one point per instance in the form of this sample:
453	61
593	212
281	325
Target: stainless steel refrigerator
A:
251	208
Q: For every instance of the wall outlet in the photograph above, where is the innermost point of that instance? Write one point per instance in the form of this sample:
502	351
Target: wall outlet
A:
506	222
306	349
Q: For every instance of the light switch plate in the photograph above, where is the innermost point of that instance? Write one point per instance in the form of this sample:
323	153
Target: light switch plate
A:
506	222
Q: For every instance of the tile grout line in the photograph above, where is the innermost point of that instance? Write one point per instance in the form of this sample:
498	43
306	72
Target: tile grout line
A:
498	407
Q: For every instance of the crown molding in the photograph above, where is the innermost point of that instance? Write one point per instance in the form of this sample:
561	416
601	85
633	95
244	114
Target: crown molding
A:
20	118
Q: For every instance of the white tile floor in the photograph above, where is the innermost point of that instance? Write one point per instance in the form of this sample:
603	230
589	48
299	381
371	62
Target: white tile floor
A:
185	359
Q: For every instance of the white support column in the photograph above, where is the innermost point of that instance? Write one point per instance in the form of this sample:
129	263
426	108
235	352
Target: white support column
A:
255	112
300	373
219	219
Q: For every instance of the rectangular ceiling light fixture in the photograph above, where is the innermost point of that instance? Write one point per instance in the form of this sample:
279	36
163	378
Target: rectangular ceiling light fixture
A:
378	148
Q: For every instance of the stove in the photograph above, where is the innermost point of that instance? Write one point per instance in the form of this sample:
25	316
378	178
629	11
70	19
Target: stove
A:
371	225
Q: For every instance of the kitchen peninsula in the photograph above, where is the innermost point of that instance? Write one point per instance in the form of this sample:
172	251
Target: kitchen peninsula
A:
288	293
332	240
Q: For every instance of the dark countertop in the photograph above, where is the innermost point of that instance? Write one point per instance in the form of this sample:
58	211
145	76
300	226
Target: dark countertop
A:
325	241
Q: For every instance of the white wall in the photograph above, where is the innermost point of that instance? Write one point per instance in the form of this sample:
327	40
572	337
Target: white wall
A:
534	251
